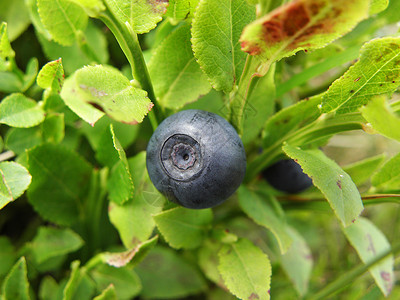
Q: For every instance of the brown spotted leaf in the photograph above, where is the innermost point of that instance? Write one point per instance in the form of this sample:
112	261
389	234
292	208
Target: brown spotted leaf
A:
334	183
245	269
301	25
377	72
369	243
94	91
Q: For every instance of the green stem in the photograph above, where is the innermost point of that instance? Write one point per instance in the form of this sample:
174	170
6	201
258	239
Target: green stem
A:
128	41
239	98
349	277
325	126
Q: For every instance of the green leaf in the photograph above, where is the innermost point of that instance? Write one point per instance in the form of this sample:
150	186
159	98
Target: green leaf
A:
92	7
73	281
73	57
51	242
175	277
14	180
370	242
379	114
208	262
265	211
375	73
181	9
133	220
334	183
71	18
301	25
10	83
48	288
361	171
17	110
7	255
120	185
20	139
176	76
377	6
246	270
126	282
16	285
35	18
298	262
289	119
29	77
216	29
132	256
184	228
59	184
389	174
51	76
141	15
6	51
53	128
15	14
259	107
104	87
108	294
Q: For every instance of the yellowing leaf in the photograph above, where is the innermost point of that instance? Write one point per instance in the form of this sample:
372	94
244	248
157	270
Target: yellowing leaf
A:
301	25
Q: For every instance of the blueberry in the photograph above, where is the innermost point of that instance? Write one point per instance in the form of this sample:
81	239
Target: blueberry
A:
196	159
287	176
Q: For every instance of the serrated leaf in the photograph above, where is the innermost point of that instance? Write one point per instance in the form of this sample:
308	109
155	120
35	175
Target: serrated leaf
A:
35	18
216	29
175	277
16	285
59	184
16	110
126	282
104	87
142	15
51	242
5	47
331	180
382	119
133	220
246	270
51	76
375	73
298	262
71	18
133	256
14	180
31	72
289	119
184	228
263	209
107	294
181	9
301	25
362	170
176	76
389	173
369	242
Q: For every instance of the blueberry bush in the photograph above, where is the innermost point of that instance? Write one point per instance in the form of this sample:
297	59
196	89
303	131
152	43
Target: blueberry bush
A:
85	83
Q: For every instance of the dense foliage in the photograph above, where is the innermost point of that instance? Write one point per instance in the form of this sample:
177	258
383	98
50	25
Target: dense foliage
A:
84	84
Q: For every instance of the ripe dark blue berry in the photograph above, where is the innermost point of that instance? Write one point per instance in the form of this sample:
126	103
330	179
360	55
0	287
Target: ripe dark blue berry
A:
287	176
196	159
